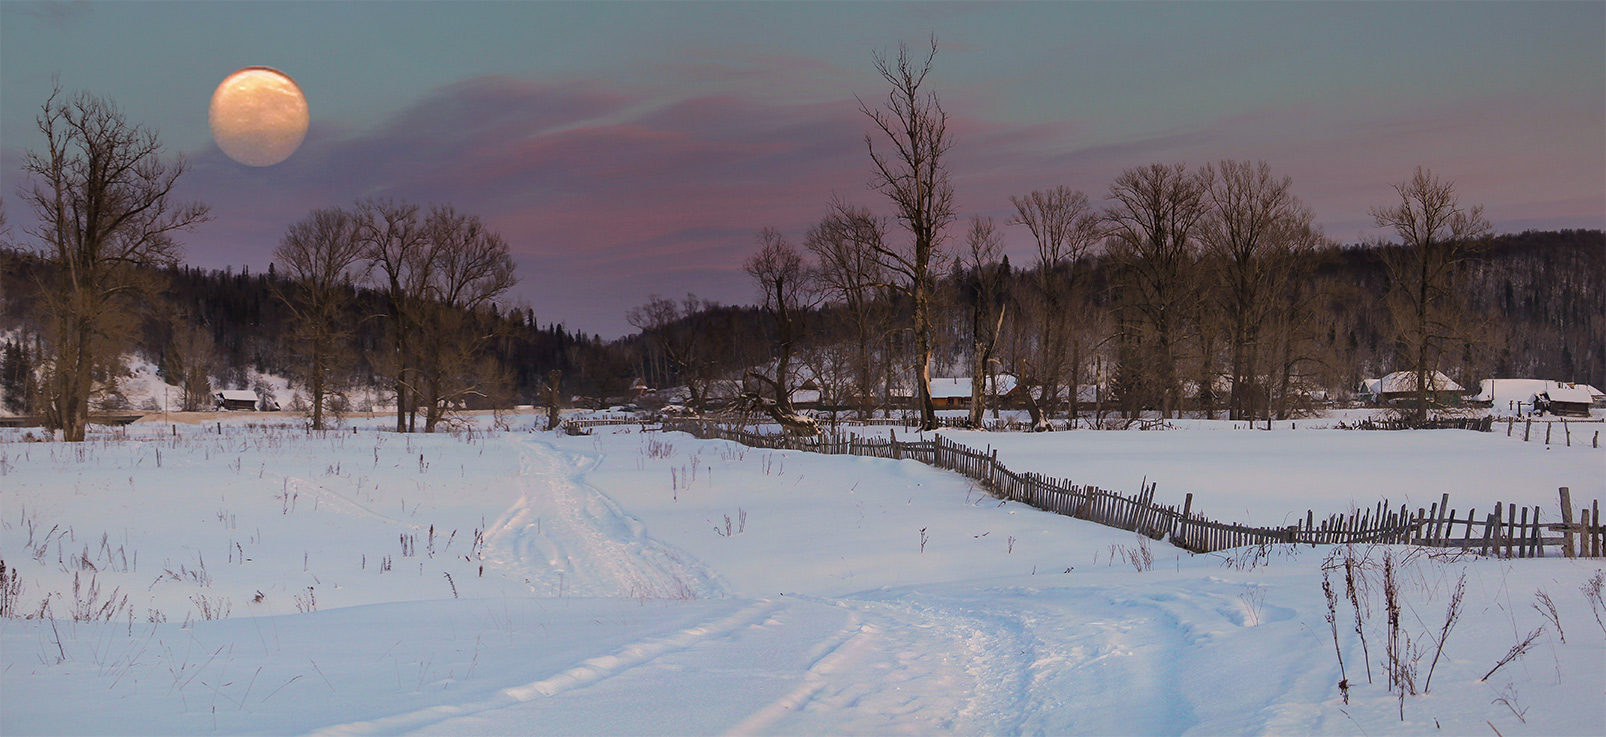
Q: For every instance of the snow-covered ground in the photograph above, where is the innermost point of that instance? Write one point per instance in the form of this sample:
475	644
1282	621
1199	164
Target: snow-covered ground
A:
630	583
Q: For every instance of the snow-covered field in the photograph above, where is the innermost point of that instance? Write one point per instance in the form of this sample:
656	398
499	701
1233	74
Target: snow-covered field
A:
266	580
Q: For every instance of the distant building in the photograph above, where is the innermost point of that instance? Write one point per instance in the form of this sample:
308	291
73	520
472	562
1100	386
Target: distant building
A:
1568	400
1400	388
236	399
954	392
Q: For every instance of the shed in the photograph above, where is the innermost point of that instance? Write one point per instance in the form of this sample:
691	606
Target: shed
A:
236	399
1572	400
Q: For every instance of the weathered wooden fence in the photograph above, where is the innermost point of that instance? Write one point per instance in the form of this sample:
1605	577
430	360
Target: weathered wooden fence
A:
1507	530
583	426
1475	424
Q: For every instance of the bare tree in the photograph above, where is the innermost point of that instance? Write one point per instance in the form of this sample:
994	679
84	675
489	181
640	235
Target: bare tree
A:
468	268
783	283
987	276
847	243
392	234
102	194
914	176
552	395
1259	235
320	254
1065	229
188	361
1151	223
688	350
1437	235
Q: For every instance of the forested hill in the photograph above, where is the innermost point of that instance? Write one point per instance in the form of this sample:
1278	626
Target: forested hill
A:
1536	305
1536	308
247	326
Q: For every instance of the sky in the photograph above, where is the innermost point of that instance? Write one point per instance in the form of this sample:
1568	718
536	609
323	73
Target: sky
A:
629	149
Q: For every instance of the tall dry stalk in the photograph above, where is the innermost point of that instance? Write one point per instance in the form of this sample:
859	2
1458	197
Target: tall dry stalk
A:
1451	614
1355	602
1332	623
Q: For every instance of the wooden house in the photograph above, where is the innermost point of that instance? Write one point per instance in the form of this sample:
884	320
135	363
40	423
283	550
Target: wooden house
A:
1565	400
1400	388
235	399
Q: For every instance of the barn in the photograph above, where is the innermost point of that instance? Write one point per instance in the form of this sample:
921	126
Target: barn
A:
235	399
1565	400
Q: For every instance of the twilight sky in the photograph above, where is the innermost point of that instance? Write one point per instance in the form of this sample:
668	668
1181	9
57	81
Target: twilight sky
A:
627	149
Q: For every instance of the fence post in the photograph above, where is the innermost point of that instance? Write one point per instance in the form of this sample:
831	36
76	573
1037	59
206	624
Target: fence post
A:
993	474
1567	550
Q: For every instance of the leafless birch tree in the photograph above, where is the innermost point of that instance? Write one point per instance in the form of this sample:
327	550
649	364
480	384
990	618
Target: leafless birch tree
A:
783	282
1151	221
846	243
392	235
914	176
320	254
1259	235
102	195
688	351
1065	229
469	267
987	275
1437	235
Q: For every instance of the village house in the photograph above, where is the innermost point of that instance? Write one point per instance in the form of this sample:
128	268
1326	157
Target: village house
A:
235	399
954	392
1565	400
1400	388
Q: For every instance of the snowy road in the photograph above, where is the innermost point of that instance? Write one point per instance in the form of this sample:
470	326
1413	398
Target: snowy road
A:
565	538
776	664
952	658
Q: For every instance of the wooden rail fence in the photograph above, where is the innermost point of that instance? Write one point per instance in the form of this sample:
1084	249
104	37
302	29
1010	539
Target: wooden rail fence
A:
1507	530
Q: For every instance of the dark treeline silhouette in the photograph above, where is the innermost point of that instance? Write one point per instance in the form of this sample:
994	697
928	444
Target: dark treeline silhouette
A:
246	328
1534	302
1537	301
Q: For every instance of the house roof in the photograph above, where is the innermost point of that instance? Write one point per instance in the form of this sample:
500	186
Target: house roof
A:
1524	390
236	395
1570	393
959	387
1405	381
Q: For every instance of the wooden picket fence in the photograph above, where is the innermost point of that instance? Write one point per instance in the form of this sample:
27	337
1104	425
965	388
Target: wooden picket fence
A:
1507	530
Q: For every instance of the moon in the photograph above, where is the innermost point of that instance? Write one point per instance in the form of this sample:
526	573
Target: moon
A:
258	116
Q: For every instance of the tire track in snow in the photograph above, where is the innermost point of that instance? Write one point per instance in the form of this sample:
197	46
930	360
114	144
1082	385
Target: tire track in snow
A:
833	655
563	537
581	675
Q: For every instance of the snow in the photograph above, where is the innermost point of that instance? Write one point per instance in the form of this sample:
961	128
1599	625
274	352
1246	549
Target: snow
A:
1274	477
645	583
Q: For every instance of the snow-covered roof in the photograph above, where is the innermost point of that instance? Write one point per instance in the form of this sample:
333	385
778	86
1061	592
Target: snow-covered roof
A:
959	387
236	395
1570	393
1405	381
1524	390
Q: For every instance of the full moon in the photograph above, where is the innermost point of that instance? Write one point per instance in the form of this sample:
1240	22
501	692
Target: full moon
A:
258	116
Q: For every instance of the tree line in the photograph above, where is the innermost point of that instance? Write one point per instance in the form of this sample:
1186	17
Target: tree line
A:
1202	289
386	288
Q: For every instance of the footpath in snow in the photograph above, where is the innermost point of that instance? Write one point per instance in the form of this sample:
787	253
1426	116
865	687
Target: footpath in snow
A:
525	583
